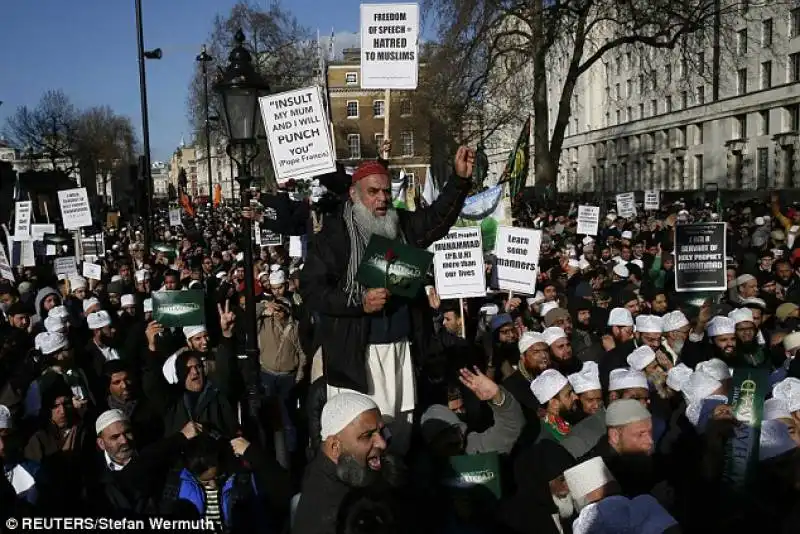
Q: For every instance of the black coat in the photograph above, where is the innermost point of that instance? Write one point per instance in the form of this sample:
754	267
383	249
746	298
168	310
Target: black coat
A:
344	328
321	498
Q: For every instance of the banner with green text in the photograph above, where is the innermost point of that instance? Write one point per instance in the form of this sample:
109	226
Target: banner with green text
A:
179	308
395	266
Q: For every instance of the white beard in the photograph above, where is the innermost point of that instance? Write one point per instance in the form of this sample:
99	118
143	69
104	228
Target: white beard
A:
677	346
387	226
566	506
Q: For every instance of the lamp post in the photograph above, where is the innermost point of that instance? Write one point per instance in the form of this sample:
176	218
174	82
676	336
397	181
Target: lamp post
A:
240	86
203	58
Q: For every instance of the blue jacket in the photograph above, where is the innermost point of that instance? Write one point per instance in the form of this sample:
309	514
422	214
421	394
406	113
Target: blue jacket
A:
31	494
191	490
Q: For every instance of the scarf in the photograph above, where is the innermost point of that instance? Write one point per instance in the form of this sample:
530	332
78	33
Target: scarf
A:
557	426
125	407
358	243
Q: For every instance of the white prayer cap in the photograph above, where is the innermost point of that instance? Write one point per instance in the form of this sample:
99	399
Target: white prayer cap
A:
788	390
98	320
108	418
343	409
489	309
620	317
715	368
116	278
621	271
627	234
640	358
148	305
587	240
221	275
168	369
774	440
89	303
574	264
673	321
587	379
721	326
50	342
776	409
547	385
195	330
528	339
277	278
625	378
678	377
755	301
141	275
617	514
547	306
274	267
55	324
743	279
262	274
649	324
699	386
127	301
58	311
584	264
792	341
77	283
553	334
700	411
5	417
760	221
587	477
626	411
741	315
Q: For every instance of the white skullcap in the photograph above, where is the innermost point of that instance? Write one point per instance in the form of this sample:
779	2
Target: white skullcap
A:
584	264
116	278
774	440
743	279
699	386
50	342
788	390
791	341
221	275
617	514
587	240
776	409
547	385
58	311
678	377
55	324
77	283
547	306
640	358
755	301
553	334
168	369
274	267
721	326
108	418
262	274
277	278
621	271
191	331
673	321
700	411
741	315
142	275
489	309
625	378
620	317
715	368
5	417
623	412
127	301
760	221
98	320
88	303
638	263
627	234
148	305
528	339
587	477
649	324
574	264
587	379
341	410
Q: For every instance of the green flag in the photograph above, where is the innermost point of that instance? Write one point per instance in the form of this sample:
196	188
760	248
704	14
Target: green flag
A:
516	171
179	308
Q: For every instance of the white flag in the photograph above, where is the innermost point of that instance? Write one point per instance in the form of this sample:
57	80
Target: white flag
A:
429	191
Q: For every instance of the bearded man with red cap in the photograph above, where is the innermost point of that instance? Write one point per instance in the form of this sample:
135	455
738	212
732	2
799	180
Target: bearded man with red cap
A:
366	333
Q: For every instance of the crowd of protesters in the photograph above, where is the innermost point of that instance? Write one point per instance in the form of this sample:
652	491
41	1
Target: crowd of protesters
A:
604	396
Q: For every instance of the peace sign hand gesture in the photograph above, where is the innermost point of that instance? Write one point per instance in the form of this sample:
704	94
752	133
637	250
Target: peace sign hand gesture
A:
226	319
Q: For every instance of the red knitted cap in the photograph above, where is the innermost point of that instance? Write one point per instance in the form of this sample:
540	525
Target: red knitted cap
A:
367	168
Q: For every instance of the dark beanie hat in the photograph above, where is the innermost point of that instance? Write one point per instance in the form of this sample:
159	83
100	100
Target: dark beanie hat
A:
180	364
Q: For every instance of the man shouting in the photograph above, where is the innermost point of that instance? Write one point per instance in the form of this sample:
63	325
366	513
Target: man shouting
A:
366	333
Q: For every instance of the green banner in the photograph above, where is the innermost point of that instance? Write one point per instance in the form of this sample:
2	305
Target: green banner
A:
179	308
474	474
749	388
395	266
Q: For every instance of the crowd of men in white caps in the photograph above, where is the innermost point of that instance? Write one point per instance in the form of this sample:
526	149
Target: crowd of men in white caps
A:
604	395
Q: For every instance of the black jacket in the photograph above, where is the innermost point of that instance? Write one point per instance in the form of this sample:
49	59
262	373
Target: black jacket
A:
322	495
344	328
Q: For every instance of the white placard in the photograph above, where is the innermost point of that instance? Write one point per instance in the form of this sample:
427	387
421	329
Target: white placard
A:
92	270
22	220
257	233
458	261
5	267
626	205
50	250
298	133
295	246
38	231
389	46
175	217
517	252
75	210
652	199
27	255
588	220
65	266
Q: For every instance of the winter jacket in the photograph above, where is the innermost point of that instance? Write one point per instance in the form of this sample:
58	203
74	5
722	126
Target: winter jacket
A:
41	315
279	346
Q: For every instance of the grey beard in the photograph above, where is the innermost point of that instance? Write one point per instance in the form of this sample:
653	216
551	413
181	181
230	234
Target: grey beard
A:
387	226
677	346
349	471
566	506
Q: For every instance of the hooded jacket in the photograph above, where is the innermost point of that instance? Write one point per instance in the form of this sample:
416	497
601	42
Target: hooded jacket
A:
41	315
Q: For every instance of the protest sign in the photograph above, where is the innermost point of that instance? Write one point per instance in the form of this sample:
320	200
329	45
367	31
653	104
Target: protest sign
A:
517	252
65	266
50	250
6	271
38	231
393	265
295	246
175	217
389	46
749	388
27	254
298	134
93	245
458	260
22	220
626	205
700	251
652	199
179	308
270	238
92	270
75	210
588	220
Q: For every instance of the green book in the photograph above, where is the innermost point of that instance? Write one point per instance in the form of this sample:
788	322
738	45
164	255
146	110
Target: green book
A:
395	266
474	474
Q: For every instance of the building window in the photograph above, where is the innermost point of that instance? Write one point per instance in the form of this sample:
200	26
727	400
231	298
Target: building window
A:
628	61
744	7
766	33
352	109
629	114
608	95
741	81
619	117
641	84
405	107
407	143
701	63
354	144
668	73
698	171
654	107
680	137
668	105
740	127
684	67
608	119
641	110
763	127
794	67
766	75
351	78
378	142
741	42
794	117
794	22
618	91
654	80
701	95
698	133
762	158
377	108
629	88
684	99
